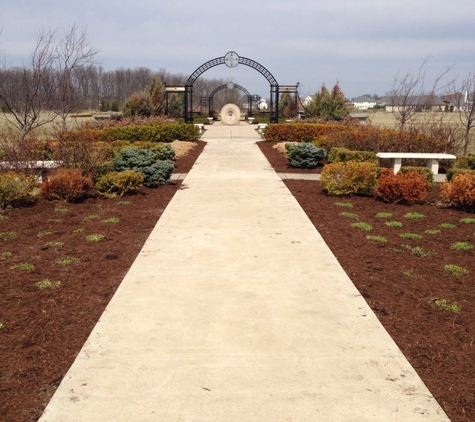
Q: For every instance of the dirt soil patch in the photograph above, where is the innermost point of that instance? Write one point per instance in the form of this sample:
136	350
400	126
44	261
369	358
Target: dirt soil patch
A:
400	271
60	264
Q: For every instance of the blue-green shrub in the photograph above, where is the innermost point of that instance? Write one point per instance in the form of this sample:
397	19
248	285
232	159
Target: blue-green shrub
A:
304	155
155	172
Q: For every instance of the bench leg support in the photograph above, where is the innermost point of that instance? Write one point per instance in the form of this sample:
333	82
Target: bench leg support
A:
396	164
433	165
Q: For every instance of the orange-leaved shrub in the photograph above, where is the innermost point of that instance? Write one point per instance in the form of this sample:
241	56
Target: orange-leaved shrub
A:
408	188
460	191
349	178
67	184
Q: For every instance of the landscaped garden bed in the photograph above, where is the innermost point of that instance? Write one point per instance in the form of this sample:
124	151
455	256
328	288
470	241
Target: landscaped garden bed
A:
60	264
414	265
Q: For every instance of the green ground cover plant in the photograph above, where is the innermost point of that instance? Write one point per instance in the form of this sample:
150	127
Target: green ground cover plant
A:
410	236
468	220
381	239
6	254
79	230
47	284
432	231
23	266
414	215
420	252
111	220
445	305
54	244
455	270
384	215
68	261
362	226
461	246
349	215
447	226
7	235
90	217
396	224
94	237
44	233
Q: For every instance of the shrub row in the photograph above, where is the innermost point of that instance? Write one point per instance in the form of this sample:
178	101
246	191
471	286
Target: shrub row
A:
160	133
366	178
410	185
356	137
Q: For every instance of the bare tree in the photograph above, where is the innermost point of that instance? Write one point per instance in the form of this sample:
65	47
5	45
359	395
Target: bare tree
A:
410	94
37	93
73	51
465	106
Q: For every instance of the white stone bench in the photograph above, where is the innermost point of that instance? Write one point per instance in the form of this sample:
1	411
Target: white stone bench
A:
210	120
261	127
39	167
432	159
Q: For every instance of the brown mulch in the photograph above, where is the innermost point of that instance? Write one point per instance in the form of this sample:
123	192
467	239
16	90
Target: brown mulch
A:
44	329
401	288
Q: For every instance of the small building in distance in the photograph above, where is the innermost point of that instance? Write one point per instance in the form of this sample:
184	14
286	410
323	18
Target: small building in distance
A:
363	102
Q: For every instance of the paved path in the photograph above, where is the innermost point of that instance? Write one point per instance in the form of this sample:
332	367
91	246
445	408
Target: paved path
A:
236	310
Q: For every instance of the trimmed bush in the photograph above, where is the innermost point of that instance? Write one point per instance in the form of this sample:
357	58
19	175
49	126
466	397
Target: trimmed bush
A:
115	183
453	171
155	172
349	178
465	162
408	188
67	184
424	172
304	155
157	133
161	150
460	191
16	189
337	155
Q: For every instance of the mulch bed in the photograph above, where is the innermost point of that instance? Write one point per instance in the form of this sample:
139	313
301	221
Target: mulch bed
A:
44	329
401	287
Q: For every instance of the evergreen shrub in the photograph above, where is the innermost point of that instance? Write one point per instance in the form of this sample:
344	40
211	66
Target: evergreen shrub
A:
349	178
460	191
425	172
338	155
304	155
408	188
67	184
16	189
117	184
155	172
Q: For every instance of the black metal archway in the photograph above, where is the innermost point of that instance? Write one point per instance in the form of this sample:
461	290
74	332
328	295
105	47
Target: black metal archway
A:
229	85
232	59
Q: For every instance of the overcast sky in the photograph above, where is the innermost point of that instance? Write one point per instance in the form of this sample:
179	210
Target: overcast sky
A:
363	44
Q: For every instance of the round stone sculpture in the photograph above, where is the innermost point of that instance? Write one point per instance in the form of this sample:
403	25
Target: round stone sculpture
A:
230	114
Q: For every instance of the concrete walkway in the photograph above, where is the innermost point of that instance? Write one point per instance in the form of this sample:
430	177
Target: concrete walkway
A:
236	310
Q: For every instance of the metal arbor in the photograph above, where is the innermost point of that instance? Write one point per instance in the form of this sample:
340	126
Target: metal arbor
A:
229	86
231	59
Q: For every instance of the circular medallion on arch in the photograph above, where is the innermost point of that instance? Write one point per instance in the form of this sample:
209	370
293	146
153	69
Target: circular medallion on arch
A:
230	114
